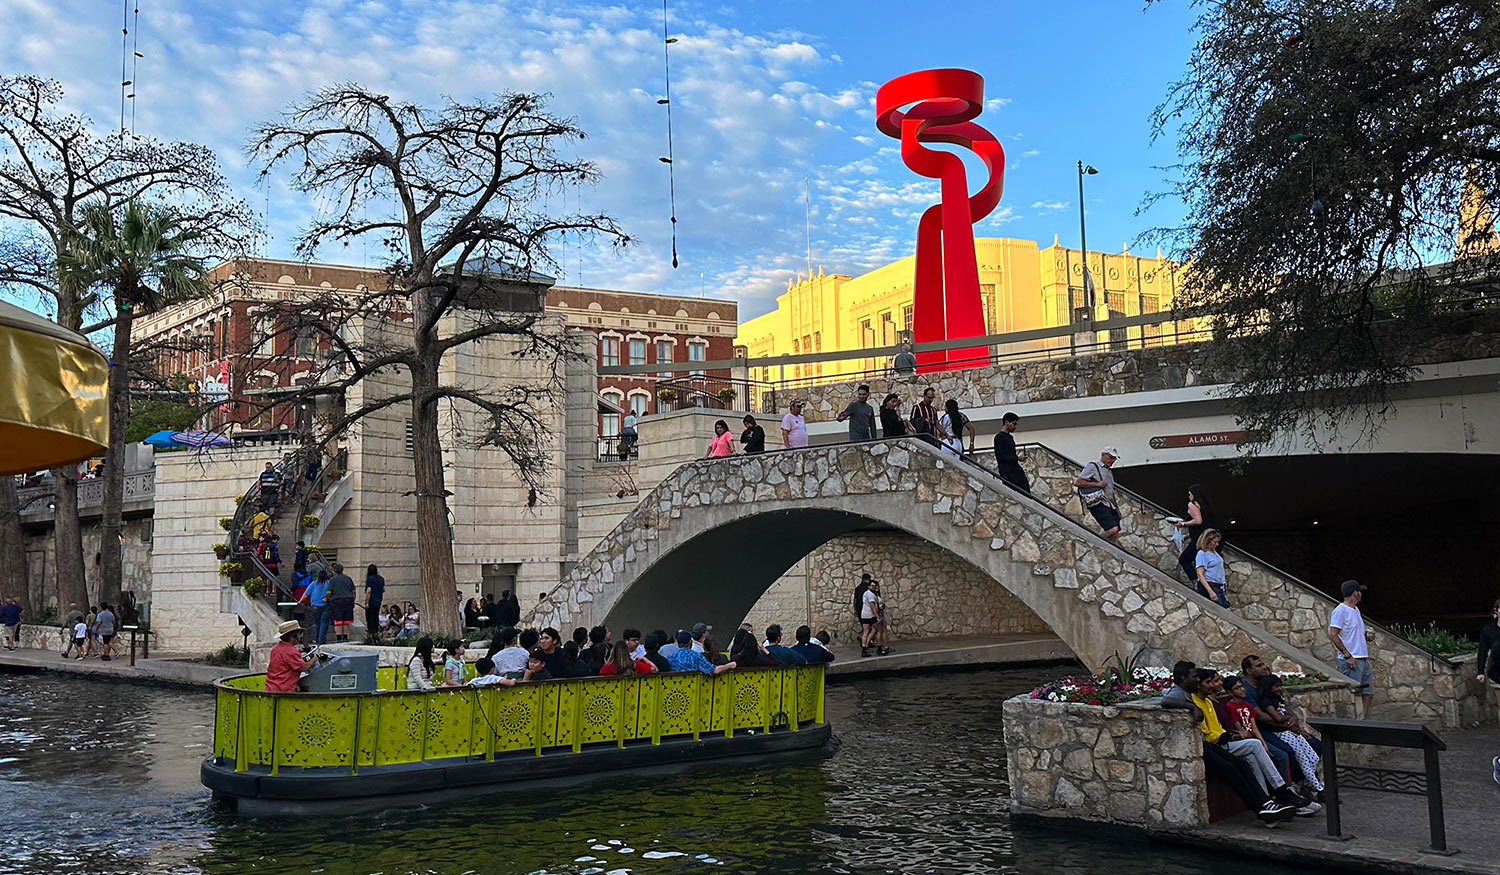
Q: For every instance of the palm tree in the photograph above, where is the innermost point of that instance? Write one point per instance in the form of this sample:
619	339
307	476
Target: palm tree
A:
143	257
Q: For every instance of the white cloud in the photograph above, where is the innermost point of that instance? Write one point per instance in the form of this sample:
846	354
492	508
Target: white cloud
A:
996	103
1050	206
1031	153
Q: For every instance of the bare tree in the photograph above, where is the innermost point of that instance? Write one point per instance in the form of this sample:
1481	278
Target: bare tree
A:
457	195
13	569
51	163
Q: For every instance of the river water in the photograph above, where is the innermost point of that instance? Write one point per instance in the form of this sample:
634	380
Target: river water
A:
102	778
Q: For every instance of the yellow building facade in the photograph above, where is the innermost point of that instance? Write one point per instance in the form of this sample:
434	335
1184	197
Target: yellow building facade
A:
1023	285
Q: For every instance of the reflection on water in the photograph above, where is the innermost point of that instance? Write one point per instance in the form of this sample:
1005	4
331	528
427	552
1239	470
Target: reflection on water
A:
102	778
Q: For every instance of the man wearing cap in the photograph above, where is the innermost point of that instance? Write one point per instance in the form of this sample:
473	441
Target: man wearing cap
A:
287	664
1096	488
794	427
699	630
1346	629
685	658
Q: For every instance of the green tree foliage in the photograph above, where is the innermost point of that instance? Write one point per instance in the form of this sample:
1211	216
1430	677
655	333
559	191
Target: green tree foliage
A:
149	416
1325	147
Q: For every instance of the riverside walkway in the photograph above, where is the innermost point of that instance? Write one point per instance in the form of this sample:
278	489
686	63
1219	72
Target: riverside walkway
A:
1388	829
184	672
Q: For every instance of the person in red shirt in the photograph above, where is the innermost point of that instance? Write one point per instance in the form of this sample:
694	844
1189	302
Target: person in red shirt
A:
287	663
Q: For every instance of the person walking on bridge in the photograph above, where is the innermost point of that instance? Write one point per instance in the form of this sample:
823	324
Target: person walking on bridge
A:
926	414
1197	520
1007	460
794	427
955	423
1096	489
860	415
891	423
1489	655
753	438
722	443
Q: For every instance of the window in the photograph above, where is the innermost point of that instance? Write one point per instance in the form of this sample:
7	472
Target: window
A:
987	297
665	354
307	341
906	317
638	402
265	330
887	329
609	423
697	352
638	350
609	351
866	334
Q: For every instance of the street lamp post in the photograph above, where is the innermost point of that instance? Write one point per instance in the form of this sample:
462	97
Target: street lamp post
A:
1083	239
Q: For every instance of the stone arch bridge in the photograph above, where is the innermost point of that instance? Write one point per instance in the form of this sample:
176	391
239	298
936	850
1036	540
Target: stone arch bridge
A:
714	535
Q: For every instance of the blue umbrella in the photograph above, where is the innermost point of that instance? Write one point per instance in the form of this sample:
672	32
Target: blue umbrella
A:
161	440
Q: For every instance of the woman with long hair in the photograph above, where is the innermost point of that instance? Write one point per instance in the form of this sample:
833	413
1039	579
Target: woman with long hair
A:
420	668
722	443
746	652
1209	567
892	424
711	650
1272	699
1199	514
955	423
620	661
471	613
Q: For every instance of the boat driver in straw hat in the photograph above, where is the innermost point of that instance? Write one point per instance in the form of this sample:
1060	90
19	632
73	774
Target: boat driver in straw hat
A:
287	662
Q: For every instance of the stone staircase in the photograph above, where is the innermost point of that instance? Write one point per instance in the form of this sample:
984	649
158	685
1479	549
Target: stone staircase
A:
1412	684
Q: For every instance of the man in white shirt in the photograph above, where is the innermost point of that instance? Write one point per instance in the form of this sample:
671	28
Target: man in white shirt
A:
510	659
794	427
1346	629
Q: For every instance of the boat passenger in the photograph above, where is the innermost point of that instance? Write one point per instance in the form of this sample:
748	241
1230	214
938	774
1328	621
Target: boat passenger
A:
421	667
687	659
711	651
653	655
536	666
620	662
633	638
509	657
812	652
747	652
548	641
782	654
485	676
453	664
287	663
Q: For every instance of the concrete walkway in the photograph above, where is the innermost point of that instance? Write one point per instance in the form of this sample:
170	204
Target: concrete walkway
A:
156	670
964	650
1389	830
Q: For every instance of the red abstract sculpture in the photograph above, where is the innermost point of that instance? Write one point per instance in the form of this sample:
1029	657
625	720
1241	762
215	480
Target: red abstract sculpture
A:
946	303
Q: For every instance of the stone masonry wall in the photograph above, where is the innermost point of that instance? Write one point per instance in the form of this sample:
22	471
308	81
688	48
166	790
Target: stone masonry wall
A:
1410	683
928	592
1134	764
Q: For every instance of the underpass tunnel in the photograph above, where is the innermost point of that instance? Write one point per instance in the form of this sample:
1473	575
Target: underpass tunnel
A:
717	577
1416	528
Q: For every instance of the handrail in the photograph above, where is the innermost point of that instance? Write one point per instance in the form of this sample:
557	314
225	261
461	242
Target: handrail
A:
1254	560
392	726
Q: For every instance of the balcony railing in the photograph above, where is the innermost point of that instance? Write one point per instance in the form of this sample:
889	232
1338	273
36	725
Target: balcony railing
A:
253	728
37	500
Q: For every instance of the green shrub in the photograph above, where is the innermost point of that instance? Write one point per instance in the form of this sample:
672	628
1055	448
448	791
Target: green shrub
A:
225	523
1439	641
254	587
232	655
229	568
310	521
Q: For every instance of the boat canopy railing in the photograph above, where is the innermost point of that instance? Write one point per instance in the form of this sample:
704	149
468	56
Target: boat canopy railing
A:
393	726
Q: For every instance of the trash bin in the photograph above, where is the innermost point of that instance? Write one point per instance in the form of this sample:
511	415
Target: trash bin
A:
349	672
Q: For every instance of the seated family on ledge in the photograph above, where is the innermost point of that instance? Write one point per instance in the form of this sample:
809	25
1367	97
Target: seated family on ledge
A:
1251	739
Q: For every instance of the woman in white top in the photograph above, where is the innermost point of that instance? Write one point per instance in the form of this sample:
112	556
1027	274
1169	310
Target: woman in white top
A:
413	620
419	671
954	424
1210	567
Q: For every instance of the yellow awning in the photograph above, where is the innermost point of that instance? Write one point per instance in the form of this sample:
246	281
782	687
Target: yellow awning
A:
54	397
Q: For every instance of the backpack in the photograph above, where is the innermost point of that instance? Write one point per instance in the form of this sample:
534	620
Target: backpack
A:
1096	495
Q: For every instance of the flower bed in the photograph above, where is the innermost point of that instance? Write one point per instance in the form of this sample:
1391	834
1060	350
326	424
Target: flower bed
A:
1144	683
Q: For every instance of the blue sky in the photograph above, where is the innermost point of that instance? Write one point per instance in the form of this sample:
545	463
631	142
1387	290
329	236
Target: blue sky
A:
765	93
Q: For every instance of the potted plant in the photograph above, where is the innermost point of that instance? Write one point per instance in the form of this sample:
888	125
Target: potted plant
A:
726	394
310	521
666	396
254	587
221	551
231	569
225	523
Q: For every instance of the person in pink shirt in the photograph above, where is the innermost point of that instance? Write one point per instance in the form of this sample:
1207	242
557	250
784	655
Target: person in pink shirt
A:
722	443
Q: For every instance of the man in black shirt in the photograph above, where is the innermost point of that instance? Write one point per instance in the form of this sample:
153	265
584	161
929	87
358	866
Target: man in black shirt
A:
653	644
551	653
1006	461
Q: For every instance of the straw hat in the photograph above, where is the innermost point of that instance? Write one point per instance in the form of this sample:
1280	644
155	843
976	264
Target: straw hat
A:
287	628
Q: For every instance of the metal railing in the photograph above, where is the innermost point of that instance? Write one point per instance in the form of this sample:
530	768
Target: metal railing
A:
139	486
392	726
303	496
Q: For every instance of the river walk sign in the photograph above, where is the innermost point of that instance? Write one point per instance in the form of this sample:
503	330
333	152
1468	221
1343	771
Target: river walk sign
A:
1206	439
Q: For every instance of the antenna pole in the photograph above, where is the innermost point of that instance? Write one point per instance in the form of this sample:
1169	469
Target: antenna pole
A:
807	222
